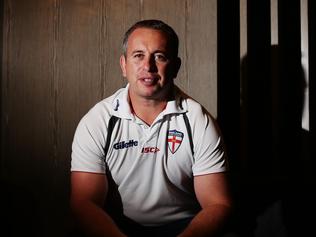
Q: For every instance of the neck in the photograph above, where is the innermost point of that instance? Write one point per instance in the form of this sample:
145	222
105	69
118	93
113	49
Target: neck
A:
147	110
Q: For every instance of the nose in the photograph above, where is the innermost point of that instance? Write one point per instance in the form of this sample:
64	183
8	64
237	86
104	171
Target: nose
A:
150	64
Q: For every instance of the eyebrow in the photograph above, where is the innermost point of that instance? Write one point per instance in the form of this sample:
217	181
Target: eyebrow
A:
137	51
142	51
161	51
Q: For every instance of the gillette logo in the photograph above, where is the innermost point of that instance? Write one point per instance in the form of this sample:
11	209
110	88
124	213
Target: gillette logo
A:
127	144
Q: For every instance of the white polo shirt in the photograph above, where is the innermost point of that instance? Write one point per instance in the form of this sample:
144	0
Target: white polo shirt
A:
153	166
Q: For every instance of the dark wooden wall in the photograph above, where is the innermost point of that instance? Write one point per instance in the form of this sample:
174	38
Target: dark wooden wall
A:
59	58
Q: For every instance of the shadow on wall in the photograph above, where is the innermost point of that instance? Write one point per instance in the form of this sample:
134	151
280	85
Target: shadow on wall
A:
272	179
19	212
28	211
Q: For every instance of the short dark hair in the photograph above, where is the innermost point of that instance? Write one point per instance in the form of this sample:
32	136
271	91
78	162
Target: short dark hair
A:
172	36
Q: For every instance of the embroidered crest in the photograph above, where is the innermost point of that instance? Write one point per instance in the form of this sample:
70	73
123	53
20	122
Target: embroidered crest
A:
174	140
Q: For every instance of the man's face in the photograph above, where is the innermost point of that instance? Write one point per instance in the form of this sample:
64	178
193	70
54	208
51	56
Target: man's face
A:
148	65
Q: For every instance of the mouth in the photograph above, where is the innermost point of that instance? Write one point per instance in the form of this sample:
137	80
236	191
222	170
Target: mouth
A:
149	81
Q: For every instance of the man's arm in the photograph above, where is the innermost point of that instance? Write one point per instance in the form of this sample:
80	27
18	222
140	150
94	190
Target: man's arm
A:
213	195
88	192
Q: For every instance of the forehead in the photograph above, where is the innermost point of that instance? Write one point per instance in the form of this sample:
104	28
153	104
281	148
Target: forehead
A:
148	38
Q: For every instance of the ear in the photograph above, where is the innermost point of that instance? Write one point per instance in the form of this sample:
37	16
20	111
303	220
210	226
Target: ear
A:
123	65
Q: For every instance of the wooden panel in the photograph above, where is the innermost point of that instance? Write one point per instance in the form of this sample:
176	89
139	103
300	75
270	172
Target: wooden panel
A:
243	28
274	22
27	83
27	111
201	38
78	84
174	14
78	60
119	16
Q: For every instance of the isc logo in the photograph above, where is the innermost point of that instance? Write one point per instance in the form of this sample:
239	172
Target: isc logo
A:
150	149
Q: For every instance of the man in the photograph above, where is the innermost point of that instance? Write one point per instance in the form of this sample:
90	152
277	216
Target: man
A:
161	160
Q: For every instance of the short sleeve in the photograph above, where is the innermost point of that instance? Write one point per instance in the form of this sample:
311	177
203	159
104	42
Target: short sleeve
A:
209	154
87	152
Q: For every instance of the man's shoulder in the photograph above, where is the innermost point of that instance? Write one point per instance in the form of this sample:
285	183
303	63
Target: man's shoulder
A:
104	108
191	105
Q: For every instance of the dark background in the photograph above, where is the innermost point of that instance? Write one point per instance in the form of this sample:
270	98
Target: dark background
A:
259	109
272	157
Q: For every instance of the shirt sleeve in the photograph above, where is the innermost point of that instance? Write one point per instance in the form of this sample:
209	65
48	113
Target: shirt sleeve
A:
87	147
209	154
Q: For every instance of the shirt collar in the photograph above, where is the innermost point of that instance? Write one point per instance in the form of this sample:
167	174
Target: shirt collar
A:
121	103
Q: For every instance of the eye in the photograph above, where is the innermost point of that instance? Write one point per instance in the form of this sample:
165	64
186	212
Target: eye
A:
138	55
160	57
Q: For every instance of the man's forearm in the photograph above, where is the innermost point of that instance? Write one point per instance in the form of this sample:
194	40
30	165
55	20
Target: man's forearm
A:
95	221
208	222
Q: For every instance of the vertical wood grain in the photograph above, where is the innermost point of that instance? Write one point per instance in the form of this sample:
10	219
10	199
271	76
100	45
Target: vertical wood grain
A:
274	22
117	16
201	38
27	82
78	77
243	28
27	111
